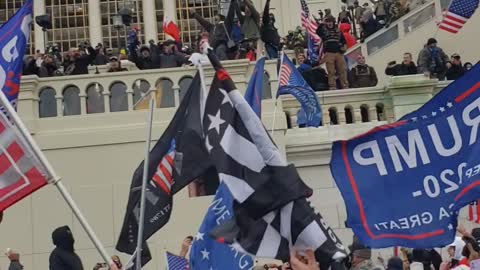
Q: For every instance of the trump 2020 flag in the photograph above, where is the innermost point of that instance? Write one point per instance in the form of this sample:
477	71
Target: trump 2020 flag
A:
13	43
253	95
206	253
404	183
292	82
21	173
458	13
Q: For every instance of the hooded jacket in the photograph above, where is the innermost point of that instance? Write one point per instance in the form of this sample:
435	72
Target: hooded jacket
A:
269	31
63	257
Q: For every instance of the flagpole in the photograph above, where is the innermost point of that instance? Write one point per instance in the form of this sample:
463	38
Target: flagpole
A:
276	98
55	179
141	221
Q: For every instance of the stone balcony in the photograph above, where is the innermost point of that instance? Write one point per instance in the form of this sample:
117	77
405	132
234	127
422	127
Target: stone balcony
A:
90	132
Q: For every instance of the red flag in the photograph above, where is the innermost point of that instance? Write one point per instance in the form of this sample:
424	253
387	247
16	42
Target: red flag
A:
20	171
171	29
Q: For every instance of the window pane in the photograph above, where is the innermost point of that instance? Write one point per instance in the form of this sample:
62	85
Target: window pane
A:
48	103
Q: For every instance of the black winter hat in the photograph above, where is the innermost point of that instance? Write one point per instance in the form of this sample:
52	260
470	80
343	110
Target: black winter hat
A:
431	41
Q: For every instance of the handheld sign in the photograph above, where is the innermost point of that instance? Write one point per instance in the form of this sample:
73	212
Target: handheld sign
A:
404	183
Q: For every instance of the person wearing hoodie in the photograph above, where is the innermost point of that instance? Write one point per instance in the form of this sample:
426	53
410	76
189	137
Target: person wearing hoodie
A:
345	28
63	257
270	33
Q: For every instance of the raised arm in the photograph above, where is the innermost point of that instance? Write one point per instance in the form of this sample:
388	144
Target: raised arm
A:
206	24
255	15
266	13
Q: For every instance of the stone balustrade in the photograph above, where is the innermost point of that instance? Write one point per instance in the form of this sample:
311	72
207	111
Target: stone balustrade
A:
373	104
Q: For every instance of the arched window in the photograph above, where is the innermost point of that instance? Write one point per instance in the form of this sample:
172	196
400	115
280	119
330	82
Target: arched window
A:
165	87
332	113
95	101
71	101
139	87
118	97
47	106
267	87
184	84
381	112
364	113
349	115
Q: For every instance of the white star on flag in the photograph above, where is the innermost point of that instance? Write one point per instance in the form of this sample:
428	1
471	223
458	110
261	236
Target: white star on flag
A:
226	98
205	254
442	109
199	236
434	113
414	119
449	105
424	116
216	121
450	227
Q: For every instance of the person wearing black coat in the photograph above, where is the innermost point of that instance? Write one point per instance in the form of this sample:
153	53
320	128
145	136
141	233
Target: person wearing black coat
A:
79	61
455	68
63	257
145	59
407	67
171	58
269	33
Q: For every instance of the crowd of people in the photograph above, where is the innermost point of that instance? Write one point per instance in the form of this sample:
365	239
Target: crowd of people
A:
459	255
238	34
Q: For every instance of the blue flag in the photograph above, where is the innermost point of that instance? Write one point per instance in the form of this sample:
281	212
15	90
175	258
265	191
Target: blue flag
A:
206	253
292	82
313	51
175	262
14	36
253	95
404	183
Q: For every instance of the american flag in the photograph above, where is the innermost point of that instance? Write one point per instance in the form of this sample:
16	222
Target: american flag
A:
311	26
474	212
458	14
163	177
175	262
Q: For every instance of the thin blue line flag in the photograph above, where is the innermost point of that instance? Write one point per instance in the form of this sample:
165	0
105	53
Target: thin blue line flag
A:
254	92
206	253
404	183
14	35
292	82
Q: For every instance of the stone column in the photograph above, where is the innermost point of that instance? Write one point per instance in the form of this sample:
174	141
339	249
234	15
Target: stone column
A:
94	22
38	9
149	20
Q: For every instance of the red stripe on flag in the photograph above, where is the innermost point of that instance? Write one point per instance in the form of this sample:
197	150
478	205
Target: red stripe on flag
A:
453	18
166	173
37	181
15	152
478	213
470	212
2	127
160	184
448	29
